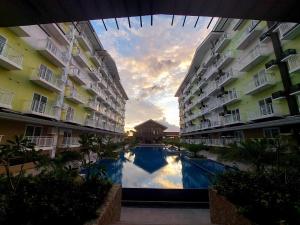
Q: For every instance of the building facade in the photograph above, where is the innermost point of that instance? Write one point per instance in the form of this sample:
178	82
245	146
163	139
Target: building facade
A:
243	82
57	82
150	132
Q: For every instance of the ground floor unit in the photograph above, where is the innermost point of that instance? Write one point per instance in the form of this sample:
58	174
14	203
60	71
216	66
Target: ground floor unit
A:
287	128
51	136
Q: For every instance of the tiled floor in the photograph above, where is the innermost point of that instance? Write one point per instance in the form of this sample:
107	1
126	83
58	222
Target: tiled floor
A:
164	216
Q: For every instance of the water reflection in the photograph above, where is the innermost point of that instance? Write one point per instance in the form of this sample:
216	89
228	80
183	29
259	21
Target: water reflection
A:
154	168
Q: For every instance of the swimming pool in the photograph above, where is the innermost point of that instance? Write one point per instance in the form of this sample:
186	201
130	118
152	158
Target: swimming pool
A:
154	167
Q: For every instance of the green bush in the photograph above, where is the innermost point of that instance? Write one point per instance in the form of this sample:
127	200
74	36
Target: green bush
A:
51	199
265	198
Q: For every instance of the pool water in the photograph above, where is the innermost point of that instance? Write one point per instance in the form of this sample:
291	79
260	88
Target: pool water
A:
153	167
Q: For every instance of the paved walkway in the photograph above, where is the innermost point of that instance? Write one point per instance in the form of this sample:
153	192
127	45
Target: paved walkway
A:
164	216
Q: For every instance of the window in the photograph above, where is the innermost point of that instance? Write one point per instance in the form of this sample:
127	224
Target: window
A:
39	103
271	132
235	114
33	131
266	106
45	73
67	137
260	78
2	43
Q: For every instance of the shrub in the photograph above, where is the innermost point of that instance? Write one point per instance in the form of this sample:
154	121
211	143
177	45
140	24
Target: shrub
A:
265	198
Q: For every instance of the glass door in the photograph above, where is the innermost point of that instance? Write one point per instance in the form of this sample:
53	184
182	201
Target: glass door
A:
39	103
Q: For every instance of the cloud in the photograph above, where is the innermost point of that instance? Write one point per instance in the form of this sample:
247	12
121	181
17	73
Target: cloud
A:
171	127
152	62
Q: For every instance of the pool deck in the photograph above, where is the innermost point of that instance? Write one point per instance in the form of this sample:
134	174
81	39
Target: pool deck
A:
164	216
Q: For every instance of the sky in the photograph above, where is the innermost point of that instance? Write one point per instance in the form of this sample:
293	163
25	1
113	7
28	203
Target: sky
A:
152	62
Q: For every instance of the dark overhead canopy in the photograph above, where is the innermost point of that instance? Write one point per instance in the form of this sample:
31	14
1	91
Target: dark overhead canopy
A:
26	12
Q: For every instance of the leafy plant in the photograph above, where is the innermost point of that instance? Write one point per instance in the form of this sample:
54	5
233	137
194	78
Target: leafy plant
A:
195	148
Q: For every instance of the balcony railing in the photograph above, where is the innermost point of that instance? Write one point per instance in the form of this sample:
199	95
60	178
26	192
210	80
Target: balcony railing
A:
75	97
92	105
84	41
225	59
52	52
213	70
251	32
288	31
96	60
10	58
47	80
265	111
218	142
91	122
42	142
294	63
6	98
80	57
93	88
222	42
70	142
41	109
76	74
58	33
231	97
94	74
254	57
232	119
228	77
72	118
260	82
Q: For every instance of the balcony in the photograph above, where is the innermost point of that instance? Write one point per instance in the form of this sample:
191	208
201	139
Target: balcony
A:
230	98
294	63
224	60
58	33
6	98
265	111
93	88
77	75
47	80
211	58
21	31
211	71
10	58
91	105
71	118
228	77
288	31
94	74
251	33
42	142
70	142
261	81
255	56
41	109
80	58
84	41
52	52
90	122
96	59
222	42
230	119
73	96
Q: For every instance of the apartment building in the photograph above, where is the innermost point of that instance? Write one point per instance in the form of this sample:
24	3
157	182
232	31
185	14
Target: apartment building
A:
243	82
57	82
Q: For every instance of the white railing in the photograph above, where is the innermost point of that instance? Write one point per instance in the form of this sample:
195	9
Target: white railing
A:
54	49
84	37
92	104
230	97
90	122
258	51
231	119
76	72
211	71
6	98
48	78
265	111
285	28
40	108
253	27
224	59
221	142
41	141
222	40
262	79
11	54
74	95
228	75
70	141
294	63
